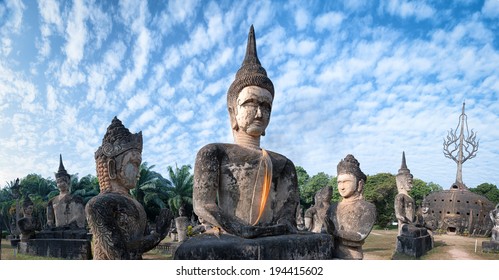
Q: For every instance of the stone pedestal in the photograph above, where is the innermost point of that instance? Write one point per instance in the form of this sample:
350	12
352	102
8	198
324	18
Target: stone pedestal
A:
490	247
414	241
302	246
65	244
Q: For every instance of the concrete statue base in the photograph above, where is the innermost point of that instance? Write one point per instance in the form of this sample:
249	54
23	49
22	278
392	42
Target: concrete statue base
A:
490	247
302	246
64	244
414	241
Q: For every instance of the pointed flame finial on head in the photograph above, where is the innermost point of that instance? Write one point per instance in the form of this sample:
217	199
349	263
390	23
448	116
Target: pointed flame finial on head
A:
62	171
251	72
403	167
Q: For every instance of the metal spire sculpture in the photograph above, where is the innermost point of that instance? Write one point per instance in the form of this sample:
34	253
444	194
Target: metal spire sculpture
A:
460	147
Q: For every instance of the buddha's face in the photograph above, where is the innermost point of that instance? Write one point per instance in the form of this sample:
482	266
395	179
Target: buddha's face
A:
128	172
62	184
28	210
404	181
253	107
348	185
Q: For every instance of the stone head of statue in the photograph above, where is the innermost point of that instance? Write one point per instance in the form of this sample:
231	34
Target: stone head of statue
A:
404	177
62	177
27	206
350	178
119	157
323	196
250	96
181	211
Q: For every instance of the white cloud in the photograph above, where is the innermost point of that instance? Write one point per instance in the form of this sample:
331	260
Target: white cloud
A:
144	118
13	13
329	21
181	10
302	18
405	9
101	23
135	16
51	99
220	59
6	47
50	13
490	8
139	101
183	110
76	32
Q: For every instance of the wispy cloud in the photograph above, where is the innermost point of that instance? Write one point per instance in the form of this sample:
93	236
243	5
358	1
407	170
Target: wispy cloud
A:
362	77
135	15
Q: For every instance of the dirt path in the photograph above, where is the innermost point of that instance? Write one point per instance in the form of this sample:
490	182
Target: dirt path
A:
380	245
458	254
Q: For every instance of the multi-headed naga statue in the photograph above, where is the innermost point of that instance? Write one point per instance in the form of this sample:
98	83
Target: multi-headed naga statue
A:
460	147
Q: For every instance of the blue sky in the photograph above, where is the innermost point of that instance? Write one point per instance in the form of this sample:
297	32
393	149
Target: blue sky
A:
369	78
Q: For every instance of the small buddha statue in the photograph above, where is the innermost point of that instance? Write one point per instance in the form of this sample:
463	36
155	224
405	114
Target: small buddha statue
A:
65	210
404	204
117	221
27	225
314	216
181	223
243	189
300	220
351	220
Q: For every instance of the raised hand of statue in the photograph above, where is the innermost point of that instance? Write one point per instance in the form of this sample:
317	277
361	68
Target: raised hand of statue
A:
163	222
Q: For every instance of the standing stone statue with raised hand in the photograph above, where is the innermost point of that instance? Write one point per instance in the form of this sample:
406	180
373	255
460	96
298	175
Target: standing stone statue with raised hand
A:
314	216
117	221
351	220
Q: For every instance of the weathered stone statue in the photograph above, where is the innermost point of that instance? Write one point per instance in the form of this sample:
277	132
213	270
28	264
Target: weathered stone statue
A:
117	221
300	220
27	225
494	216
181	223
248	194
405	207
314	216
351	220
242	188
65	210
413	238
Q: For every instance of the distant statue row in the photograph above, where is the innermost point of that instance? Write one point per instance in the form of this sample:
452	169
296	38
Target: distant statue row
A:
64	211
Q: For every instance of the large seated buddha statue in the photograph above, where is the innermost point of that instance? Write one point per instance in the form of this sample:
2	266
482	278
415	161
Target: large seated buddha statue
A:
248	194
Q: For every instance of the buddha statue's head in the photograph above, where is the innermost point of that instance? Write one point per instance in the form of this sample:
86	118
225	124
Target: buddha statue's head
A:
27	207
63	179
323	196
404	177
250	96
119	157
350	178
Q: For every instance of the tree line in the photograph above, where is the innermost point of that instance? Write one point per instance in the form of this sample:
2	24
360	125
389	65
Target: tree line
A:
380	189
154	192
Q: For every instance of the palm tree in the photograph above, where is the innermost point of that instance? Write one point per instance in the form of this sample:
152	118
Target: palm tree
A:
87	187
147	180
151	191
180	192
